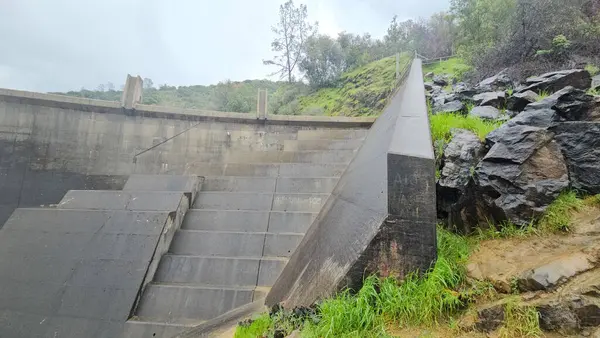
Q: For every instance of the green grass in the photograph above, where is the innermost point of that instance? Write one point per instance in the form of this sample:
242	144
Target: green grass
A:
520	320
415	301
558	216
505	230
442	124
592	201
455	68
439	296
542	95
592	69
593	92
257	327
361	92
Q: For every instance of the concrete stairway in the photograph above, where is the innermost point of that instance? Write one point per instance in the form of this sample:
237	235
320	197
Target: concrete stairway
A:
248	218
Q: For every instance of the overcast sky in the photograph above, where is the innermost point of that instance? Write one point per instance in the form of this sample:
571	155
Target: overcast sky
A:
60	45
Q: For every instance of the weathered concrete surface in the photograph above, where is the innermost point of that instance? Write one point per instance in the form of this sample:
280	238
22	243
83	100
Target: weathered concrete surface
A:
78	270
50	144
73	273
381	215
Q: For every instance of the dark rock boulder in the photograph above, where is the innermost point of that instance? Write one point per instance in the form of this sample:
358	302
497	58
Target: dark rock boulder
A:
491	318
543	118
464	92
580	144
555	273
428	86
523	173
485	112
587	310
554	81
518	101
494	99
558	317
571	105
440	80
499	81
450	107
461	156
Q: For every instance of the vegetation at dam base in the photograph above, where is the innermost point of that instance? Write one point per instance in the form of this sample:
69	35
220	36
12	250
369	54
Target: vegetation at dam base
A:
436	305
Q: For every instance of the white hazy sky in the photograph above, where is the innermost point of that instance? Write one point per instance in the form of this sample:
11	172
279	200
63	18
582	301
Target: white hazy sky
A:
60	45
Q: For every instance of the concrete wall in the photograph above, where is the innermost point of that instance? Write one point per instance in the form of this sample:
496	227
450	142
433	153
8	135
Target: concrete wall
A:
50	144
381	216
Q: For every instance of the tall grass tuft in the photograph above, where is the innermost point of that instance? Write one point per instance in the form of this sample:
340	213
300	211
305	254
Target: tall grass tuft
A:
424	301
414	301
256	328
520	321
442	124
558	215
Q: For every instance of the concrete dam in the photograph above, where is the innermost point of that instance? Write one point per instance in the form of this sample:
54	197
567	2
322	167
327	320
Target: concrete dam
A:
128	220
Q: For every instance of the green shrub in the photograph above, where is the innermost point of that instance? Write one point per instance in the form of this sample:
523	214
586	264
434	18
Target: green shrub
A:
592	69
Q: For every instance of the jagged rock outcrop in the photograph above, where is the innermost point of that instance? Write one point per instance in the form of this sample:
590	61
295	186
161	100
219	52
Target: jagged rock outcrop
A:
571	104
464	92
580	144
494	99
485	112
551	82
461	156
523	173
440	80
449	107
499	81
518	101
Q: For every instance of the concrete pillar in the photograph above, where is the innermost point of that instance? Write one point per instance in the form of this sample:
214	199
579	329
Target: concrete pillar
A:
132	93
262	104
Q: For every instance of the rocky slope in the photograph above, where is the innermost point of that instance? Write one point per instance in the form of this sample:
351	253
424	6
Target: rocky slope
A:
550	142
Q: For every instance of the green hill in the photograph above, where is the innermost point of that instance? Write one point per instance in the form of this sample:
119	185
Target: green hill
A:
360	92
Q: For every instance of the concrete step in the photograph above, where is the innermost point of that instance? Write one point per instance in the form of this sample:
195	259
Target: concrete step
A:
307	170
270	184
172	303
332	134
248	220
122	200
260	201
189	184
144	329
297	145
234	244
219	271
309	156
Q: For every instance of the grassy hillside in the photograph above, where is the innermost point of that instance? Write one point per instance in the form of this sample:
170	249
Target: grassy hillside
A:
360	92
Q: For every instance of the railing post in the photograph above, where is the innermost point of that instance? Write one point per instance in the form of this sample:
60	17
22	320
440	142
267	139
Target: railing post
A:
262	104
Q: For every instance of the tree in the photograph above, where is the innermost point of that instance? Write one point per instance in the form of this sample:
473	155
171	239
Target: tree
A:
148	83
324	61
358	50
292	30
